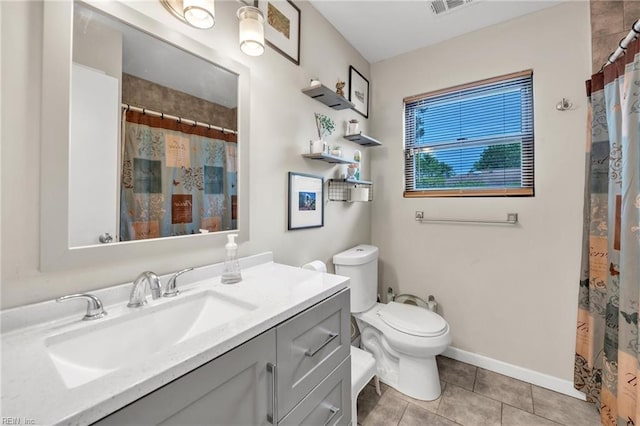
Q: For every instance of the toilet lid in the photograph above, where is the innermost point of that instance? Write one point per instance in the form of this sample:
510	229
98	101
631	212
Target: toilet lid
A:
412	320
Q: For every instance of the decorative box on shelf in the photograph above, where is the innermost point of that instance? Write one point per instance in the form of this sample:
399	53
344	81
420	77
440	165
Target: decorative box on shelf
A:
350	190
328	158
327	96
362	139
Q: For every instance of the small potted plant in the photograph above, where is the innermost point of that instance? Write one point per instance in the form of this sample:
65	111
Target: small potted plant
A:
325	126
336	151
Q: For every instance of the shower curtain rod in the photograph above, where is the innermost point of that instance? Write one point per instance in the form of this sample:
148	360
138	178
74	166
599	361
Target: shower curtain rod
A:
178	119
622	45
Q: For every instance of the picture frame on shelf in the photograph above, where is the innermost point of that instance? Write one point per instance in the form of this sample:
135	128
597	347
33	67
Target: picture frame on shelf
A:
306	205
359	92
282	27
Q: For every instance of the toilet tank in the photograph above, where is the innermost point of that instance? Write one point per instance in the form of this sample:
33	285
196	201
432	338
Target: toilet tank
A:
360	264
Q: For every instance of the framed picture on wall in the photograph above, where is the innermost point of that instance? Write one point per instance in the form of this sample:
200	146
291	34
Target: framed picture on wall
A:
359	92
282	27
306	209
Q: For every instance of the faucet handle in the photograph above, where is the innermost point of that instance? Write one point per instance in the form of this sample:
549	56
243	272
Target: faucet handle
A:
172	285
95	310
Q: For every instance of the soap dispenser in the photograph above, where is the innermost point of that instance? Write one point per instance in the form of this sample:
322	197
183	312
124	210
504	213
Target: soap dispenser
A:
231	274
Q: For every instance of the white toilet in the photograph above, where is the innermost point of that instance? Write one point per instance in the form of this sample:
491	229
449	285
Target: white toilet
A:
404	339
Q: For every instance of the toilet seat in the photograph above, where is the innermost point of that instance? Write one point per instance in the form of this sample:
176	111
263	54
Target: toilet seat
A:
401	341
412	320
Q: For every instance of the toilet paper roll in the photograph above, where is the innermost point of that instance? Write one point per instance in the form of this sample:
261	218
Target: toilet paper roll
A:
316	265
359	194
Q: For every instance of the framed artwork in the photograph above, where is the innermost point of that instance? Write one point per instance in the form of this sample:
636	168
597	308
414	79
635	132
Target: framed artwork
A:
306	195
282	27
359	92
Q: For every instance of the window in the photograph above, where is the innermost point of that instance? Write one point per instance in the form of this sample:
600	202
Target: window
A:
471	140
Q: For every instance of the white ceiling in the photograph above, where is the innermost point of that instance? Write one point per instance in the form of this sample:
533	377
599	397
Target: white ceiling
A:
381	29
152	59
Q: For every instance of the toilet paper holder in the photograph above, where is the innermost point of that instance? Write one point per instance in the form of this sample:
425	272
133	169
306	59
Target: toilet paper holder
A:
356	193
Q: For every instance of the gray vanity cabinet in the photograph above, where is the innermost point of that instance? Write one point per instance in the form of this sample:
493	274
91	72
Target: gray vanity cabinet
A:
234	389
310	383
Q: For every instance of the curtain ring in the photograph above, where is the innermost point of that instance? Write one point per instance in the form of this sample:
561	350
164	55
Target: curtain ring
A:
620	44
143	111
209	126
195	123
179	120
223	130
162	116
128	106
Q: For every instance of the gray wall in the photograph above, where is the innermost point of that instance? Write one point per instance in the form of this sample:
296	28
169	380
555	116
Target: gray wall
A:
610	21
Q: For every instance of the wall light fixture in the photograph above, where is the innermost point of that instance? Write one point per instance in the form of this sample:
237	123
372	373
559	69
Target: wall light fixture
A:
251	30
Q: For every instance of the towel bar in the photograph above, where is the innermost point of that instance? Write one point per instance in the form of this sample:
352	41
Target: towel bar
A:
512	219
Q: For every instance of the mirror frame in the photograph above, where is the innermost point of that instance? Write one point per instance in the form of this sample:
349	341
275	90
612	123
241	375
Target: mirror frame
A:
55	253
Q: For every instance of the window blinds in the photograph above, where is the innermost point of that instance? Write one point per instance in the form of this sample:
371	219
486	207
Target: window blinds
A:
475	139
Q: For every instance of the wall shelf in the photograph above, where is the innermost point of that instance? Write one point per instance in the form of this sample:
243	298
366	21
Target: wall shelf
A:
362	139
328	97
339	188
327	158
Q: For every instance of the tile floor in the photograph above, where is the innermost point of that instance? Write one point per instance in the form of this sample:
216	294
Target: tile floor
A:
472	396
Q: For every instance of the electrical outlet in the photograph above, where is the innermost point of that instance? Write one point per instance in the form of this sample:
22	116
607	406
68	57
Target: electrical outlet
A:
419	215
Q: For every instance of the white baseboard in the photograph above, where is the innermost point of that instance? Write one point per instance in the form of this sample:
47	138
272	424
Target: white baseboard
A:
520	373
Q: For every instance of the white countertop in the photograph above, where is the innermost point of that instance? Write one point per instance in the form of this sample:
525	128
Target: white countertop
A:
33	390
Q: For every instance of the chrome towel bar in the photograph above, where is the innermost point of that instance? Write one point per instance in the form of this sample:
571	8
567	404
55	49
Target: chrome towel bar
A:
512	219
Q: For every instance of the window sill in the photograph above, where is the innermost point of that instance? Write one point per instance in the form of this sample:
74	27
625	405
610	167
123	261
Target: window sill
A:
493	192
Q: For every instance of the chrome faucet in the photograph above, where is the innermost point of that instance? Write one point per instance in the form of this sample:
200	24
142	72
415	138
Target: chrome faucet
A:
172	288
138	293
95	310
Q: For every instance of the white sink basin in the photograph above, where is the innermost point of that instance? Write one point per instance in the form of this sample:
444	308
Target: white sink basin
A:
107	345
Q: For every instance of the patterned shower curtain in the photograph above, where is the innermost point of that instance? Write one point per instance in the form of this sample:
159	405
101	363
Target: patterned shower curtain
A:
607	366
177	179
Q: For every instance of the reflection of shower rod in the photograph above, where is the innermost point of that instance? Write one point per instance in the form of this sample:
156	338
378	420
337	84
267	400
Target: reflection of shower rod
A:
178	119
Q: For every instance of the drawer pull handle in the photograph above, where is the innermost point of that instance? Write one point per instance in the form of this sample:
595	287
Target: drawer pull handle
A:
330	338
333	412
271	368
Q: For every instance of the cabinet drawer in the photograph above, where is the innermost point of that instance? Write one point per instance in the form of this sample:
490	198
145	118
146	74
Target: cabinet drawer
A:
329	404
309	347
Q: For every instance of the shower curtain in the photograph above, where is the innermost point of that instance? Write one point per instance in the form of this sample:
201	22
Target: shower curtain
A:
177	179
606	362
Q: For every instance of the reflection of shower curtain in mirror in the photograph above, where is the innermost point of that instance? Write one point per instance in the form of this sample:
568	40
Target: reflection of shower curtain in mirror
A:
176	179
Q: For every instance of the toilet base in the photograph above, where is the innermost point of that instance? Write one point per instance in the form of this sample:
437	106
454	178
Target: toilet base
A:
419	378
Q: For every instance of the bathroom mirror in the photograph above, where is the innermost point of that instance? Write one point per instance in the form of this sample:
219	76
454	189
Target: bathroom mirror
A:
144	138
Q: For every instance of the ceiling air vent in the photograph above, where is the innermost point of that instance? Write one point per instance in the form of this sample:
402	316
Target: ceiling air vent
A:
443	6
